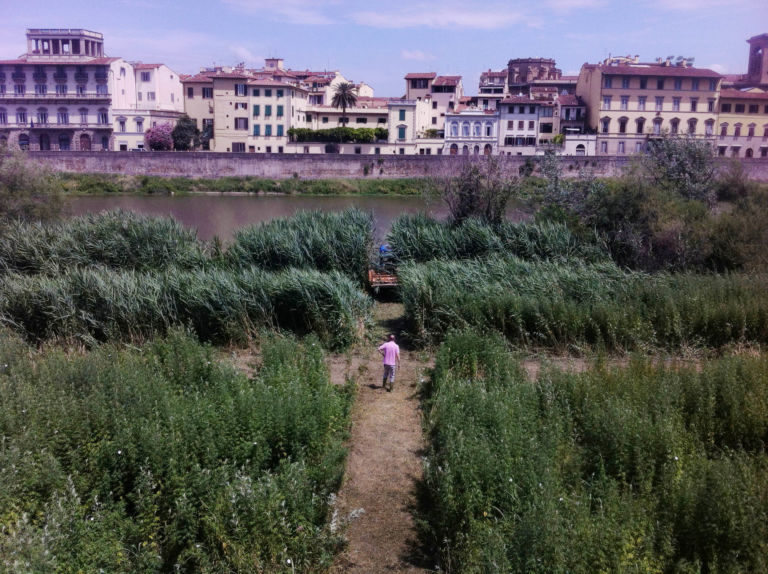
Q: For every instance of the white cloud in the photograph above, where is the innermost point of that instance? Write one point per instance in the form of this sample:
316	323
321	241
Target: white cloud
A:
244	54
302	12
569	5
719	68
416	55
424	15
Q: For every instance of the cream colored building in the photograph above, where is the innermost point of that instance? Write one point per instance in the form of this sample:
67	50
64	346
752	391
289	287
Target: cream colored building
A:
742	129
629	102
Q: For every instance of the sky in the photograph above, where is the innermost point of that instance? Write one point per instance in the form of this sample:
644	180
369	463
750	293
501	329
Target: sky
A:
380	41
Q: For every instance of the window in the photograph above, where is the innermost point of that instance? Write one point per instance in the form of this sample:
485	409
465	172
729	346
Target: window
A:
80	89
489	129
465	129
694	104
268	130
737	130
207	93
41	89
241	123
643	83
606	102
695	84
625	82
238	147
279	93
401	115
325	119
605	125
62	117
241	106
603	147
476	129
723	130
640	125
675	104
434	121
42	116
521	125
101	89
256	130
384	120
531	125
190	92
61	89
674	126
139	125
256	92
678	84
638	147
3	117
241	90
434	105
103	117
267	110
257	110
365	120
660	83
709	127
83	116
607	82
280	130
268	149
725	108
657	126
621	147
753	108
641	103
145	76
624	103
267	93
121	127
359	150
659	104
546	128
19	89
738	109
622	125
2	89
712	85
710	105
547	112
279	111
401	133
692	126
21	116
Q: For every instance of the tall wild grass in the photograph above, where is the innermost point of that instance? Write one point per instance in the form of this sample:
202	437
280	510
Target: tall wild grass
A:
338	241
221	305
421	238
573	304
164	459
116	239
642	469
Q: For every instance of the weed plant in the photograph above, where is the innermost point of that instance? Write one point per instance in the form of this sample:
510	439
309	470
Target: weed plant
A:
565	305
98	304
421	238
337	241
163	459
116	239
642	469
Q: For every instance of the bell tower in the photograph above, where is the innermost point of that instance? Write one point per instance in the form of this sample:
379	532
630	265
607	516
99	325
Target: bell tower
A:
757	72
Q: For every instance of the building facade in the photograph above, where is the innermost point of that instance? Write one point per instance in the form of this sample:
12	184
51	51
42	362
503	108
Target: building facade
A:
742	129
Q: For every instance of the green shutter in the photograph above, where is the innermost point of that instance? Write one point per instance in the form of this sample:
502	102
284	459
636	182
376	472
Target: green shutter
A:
402	115
279	93
256	109
280	130
279	111
268	130
256	130
267	110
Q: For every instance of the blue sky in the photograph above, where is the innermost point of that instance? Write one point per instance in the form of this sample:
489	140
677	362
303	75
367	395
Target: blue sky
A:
379	42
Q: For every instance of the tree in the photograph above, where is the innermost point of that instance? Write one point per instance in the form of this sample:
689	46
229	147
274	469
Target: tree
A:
159	138
344	97
28	190
185	134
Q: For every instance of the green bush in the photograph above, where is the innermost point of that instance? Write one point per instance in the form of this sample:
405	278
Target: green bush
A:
635	469
163	459
421	238
566	305
339	241
96	304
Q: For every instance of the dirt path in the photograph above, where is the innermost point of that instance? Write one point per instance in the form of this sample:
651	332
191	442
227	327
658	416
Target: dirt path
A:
384	461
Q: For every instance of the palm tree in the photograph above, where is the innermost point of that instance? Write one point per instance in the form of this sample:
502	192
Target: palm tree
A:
344	97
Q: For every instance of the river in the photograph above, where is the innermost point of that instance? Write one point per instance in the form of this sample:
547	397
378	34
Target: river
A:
221	215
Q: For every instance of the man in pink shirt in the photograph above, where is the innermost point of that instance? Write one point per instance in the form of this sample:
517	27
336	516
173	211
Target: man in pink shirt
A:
391	353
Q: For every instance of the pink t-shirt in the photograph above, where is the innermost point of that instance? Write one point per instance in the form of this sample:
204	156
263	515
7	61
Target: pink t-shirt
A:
391	352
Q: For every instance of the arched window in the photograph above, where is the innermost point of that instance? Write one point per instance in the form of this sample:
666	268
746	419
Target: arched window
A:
62	116
477	150
454	149
640	125
465	129
42	115
692	126
103	116
674	126
21	117
709	127
748	152
736	130
623	125
605	125
581	150
723	129
83	116
657	126
476	129
465	149
3	116
64	142
488	129
45	142
488	149
751	130
455	129
24	141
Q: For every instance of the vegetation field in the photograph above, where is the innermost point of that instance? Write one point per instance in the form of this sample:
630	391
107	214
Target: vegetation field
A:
164	459
648	468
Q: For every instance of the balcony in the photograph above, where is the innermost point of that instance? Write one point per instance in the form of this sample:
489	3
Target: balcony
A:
60	77
19	76
40	78
81	77
100	76
55	97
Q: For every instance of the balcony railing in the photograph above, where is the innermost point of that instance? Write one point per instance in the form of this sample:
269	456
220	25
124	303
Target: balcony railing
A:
81	77
54	96
60	77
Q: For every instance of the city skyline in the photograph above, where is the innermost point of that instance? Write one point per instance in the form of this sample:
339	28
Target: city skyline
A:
380	44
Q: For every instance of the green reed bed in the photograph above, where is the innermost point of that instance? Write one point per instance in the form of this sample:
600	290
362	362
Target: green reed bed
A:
572	304
641	469
164	459
220	305
421	238
116	239
339	241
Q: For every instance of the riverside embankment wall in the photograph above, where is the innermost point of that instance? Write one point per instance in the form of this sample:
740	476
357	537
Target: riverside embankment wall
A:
276	166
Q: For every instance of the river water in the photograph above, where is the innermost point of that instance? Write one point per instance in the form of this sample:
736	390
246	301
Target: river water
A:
221	215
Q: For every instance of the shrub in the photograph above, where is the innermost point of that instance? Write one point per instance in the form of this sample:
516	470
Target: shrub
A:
28	191
159	138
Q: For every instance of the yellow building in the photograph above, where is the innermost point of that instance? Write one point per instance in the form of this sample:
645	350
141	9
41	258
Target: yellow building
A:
629	102
743	123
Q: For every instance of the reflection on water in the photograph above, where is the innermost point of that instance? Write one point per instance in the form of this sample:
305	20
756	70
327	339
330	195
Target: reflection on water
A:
222	214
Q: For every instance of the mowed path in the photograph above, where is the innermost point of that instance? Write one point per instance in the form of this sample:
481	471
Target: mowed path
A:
384	462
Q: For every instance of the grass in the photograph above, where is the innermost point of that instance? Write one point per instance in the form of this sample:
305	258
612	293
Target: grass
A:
643	469
221	305
421	238
577	306
162	459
